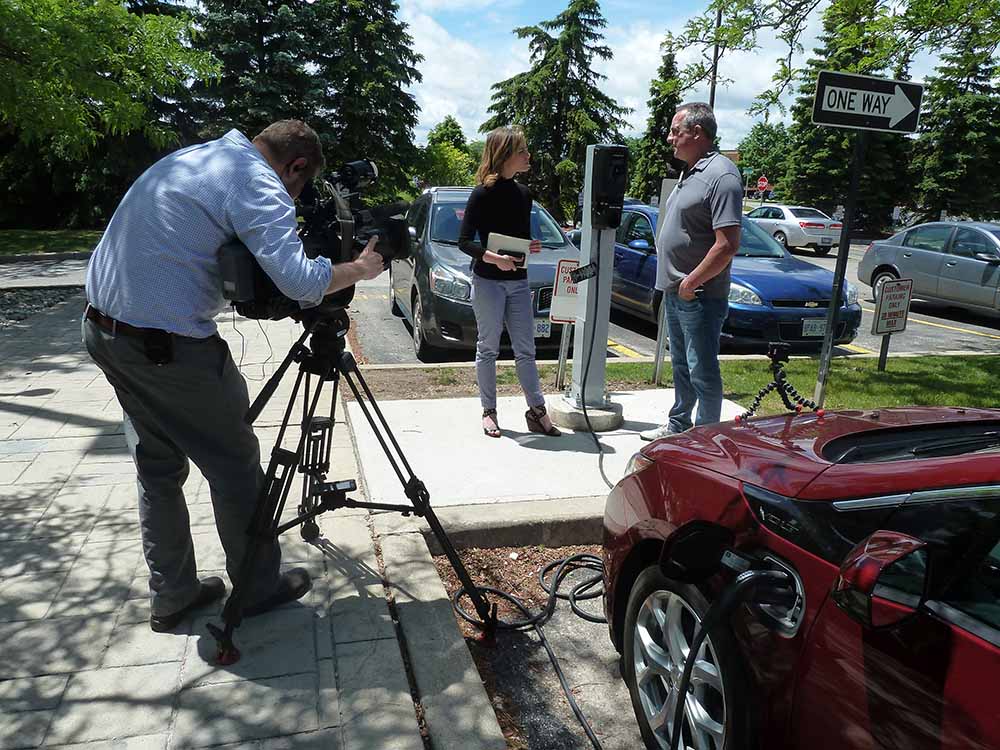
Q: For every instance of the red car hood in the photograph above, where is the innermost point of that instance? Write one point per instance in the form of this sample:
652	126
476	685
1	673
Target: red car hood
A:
785	454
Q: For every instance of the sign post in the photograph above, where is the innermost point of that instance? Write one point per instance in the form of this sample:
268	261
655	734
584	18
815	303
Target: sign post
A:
863	103
891	310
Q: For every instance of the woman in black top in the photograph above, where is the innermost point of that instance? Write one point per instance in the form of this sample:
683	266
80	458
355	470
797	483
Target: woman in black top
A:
500	290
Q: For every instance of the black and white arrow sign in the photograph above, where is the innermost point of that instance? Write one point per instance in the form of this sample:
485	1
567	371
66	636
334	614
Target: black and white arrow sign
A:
848	100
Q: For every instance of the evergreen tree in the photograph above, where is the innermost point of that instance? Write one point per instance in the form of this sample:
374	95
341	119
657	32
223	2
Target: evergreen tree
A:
764	151
447	131
958	149
558	103
818	165
651	163
343	67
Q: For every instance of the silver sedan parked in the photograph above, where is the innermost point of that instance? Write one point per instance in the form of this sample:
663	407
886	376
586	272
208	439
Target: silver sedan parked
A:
951	262
798	226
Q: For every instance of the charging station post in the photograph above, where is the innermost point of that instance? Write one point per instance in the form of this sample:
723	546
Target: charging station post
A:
605	179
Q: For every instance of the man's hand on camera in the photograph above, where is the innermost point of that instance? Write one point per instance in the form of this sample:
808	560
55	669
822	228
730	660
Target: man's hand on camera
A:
366	266
369	263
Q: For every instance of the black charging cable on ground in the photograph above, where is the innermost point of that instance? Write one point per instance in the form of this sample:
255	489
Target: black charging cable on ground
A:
589	588
763	587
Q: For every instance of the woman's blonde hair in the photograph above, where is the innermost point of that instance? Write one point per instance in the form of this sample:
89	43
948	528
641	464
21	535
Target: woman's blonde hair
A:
501	145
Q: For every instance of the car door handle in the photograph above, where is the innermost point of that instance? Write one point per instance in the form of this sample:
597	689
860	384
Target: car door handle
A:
951	263
907	255
619	256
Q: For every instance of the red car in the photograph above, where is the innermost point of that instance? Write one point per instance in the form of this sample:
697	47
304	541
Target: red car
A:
887	521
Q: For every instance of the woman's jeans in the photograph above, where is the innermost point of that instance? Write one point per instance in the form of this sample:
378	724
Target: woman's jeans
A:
496	303
694	328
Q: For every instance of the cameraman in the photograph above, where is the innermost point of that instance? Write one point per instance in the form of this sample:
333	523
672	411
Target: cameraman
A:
153	291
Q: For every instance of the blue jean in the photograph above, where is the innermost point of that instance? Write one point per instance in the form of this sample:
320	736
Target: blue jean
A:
694	328
496	303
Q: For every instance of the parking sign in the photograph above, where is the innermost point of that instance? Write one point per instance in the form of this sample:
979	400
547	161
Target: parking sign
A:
892	307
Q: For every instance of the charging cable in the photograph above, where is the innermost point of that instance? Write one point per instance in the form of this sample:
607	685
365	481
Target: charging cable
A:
762	586
588	588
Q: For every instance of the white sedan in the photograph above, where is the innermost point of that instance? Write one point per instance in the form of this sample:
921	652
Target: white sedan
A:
798	226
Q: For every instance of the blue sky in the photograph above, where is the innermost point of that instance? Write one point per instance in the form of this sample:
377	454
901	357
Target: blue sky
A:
469	45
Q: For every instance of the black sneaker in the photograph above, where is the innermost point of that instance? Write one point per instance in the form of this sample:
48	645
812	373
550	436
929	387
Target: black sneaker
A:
294	584
212	589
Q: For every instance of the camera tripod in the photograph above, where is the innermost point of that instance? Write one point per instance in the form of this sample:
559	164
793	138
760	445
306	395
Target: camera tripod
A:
325	359
778	354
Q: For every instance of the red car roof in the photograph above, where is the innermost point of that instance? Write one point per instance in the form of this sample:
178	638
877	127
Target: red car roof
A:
784	454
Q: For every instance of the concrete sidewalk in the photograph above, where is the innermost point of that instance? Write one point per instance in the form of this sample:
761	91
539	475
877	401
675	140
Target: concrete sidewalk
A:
80	666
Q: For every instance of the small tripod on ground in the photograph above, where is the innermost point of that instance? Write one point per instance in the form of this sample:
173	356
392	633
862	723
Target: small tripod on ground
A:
325	358
778	353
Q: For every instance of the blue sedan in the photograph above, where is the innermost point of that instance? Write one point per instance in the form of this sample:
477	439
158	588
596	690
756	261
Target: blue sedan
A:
774	296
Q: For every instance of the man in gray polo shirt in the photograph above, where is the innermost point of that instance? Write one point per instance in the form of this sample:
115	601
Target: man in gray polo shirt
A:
698	235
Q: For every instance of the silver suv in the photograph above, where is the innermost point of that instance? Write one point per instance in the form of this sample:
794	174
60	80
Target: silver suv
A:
951	262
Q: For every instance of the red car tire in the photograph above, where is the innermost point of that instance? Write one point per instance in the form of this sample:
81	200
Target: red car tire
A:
722	697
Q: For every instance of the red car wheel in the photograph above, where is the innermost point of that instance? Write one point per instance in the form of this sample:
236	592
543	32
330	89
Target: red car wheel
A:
660	623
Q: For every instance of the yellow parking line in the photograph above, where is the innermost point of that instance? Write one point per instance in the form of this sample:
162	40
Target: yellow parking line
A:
856	349
622	350
947	328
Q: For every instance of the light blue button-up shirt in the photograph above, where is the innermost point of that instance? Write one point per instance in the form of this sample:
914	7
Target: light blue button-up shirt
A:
157	264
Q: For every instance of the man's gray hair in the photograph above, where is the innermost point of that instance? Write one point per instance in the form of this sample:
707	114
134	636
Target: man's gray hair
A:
699	113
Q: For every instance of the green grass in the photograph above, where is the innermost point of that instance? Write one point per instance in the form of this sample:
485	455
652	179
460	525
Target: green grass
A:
445	376
855	383
37	241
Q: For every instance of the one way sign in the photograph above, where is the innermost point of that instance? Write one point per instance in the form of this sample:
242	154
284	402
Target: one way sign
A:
848	100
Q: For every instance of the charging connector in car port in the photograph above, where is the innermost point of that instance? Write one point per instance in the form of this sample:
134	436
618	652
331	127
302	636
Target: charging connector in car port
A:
779	608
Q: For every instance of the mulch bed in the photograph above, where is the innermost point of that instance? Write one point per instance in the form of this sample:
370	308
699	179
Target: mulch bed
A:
513	570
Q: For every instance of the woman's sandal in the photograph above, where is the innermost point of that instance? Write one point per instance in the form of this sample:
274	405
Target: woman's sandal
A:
494	430
534	419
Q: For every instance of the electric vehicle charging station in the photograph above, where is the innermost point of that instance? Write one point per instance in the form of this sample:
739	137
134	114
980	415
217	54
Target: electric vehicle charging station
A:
605	180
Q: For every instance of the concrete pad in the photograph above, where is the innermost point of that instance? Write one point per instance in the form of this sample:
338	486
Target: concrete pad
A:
145	742
23	729
326	739
277	643
444	444
53	646
28	597
23	558
375	702
31	693
135	645
246	710
456	708
360	613
109	703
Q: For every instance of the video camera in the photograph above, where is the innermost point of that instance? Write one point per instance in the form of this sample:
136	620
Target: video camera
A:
334	224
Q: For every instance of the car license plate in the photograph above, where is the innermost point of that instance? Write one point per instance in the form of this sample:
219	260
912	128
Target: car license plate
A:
826	240
815	327
543	328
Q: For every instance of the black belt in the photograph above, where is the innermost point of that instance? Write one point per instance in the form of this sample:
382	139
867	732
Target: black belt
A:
159	344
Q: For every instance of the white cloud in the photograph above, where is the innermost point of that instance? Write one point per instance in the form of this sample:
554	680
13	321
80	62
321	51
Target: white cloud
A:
458	75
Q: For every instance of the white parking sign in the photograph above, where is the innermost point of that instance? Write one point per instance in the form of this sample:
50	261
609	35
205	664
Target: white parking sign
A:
892	307
564	293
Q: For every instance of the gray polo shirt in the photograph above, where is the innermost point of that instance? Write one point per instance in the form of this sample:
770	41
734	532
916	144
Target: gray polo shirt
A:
709	196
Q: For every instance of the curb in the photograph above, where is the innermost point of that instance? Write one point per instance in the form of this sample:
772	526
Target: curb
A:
557	522
36	257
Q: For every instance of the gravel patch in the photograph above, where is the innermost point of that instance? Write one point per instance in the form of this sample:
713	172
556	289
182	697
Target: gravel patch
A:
19	304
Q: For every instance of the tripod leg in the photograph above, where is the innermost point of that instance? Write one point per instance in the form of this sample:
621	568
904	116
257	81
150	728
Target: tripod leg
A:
263	527
414	488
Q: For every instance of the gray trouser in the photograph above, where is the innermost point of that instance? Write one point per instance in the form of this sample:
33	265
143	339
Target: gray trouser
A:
191	408
496	303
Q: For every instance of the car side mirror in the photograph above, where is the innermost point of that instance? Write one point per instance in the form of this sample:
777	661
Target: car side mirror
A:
883	581
990	258
639	245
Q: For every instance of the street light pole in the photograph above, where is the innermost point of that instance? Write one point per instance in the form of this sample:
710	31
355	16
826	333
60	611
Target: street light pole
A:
715	58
